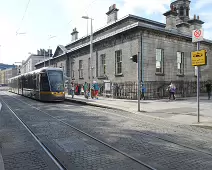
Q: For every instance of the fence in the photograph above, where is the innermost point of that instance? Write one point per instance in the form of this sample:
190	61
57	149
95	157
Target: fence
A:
154	89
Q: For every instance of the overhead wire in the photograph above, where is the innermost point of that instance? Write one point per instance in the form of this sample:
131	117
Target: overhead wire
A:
23	16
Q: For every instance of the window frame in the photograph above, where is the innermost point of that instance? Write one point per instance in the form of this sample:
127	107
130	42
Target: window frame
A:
181	11
81	69
102	65
161	71
180	71
72	70
118	63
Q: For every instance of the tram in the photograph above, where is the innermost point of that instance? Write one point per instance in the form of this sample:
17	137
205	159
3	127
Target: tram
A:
45	84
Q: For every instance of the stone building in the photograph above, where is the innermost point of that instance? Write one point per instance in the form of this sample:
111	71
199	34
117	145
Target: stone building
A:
165	51
7	74
29	64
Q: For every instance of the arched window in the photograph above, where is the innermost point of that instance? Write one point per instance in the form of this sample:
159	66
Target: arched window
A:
187	12
181	11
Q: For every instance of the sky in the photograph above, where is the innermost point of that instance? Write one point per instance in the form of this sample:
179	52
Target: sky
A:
57	18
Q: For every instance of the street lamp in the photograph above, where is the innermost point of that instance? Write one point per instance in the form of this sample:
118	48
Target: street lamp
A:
50	37
20	33
91	52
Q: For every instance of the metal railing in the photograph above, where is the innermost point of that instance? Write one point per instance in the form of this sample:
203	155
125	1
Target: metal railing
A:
153	89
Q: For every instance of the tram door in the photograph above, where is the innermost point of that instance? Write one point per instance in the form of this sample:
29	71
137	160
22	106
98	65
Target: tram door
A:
38	86
21	85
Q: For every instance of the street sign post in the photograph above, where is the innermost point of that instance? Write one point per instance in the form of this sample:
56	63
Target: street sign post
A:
197	36
198	58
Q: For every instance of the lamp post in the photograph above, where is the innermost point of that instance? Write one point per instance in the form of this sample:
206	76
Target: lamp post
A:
44	57
50	37
91	52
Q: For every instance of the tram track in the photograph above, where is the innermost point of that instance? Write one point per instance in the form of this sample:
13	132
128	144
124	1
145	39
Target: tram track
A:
127	117
57	162
108	145
45	149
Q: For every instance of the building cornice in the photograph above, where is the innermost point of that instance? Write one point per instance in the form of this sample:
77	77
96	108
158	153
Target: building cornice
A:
142	25
140	19
193	21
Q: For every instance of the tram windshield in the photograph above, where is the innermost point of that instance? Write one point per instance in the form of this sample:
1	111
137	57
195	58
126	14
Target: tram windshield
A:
56	81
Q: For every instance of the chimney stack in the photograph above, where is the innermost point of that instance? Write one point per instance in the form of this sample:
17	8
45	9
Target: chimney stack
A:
195	23
74	34
112	14
171	17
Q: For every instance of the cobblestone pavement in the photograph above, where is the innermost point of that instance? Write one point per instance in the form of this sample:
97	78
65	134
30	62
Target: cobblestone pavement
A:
161	144
73	149
18	148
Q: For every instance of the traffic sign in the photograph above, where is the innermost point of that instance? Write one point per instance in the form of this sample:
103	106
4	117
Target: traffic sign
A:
197	35
199	58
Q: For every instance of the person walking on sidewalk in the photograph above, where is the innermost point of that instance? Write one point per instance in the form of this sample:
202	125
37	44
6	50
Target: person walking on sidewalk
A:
172	89
85	88
143	90
72	90
96	89
208	89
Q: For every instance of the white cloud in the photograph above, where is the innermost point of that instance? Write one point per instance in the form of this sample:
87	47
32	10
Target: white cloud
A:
202	3
97	9
146	6
16	48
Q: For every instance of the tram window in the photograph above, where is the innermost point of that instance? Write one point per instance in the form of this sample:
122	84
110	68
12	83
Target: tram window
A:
34	81
44	82
56	80
30	82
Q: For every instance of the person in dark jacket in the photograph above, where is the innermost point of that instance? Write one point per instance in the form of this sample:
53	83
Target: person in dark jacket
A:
172	90
208	89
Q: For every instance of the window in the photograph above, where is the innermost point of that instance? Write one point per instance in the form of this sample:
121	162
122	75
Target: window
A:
56	80
159	60
102	65
89	67
80	69
180	63
44	82
187	12
72	70
118	61
181	11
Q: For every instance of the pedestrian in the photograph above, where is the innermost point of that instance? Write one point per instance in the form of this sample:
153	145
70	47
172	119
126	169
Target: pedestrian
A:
77	89
171	89
208	89
143	90
85	88
72	90
96	89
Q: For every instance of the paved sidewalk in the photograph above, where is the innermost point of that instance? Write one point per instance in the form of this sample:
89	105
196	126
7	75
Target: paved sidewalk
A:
181	111
1	159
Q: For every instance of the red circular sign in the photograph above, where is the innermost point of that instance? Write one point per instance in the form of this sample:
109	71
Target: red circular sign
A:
197	33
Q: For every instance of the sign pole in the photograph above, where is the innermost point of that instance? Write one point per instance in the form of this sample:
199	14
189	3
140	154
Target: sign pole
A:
198	87
139	81
198	59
